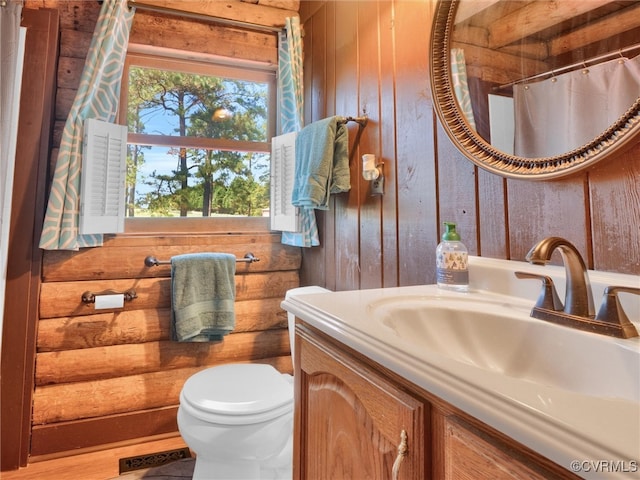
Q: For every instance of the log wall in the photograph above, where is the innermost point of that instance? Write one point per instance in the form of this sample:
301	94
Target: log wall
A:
114	375
103	377
94	365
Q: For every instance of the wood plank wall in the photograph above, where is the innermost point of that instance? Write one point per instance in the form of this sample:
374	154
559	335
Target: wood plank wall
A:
24	257
372	57
109	376
102	377
92	366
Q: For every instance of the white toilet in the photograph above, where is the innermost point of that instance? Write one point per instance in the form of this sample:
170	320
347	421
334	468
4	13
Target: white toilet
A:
238	418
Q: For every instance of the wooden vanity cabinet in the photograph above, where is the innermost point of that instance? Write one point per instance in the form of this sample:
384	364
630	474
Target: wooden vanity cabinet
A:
468	452
350	422
350	414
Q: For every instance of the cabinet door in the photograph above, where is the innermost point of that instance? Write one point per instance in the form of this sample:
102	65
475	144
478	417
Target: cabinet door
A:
351	423
471	454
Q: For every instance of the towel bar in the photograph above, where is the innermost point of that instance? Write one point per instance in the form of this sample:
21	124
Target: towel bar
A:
362	121
152	261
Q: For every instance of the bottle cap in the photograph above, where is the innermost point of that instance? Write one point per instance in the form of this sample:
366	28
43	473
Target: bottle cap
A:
450	235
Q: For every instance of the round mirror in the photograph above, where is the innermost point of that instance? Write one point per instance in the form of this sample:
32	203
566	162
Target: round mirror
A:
537	89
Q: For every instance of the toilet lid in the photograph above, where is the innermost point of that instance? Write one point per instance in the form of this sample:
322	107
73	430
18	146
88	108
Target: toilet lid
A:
238	389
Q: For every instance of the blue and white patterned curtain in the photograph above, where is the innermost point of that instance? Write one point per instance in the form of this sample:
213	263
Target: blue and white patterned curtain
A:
97	97
461	85
291	94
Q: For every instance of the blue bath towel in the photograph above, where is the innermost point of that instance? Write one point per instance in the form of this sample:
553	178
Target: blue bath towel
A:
322	163
203	292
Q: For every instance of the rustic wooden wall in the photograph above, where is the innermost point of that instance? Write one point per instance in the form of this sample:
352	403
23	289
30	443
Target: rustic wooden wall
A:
108	376
117	371
372	57
102	377
24	257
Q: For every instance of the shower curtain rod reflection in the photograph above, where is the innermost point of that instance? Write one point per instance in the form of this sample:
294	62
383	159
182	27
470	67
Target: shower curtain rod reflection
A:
202	16
573	66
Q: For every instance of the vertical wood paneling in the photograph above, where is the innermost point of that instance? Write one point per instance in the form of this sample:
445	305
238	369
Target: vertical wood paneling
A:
615	208
346	207
417	208
387	122
457	192
493	216
369	99
314	57
542	209
329	245
317	64
427	180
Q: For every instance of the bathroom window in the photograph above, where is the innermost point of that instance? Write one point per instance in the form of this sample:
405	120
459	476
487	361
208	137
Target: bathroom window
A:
198	140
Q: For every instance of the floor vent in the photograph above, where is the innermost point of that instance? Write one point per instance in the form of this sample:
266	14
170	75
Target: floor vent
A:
152	459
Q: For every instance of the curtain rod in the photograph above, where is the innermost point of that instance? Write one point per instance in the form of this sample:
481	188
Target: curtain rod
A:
573	66
202	16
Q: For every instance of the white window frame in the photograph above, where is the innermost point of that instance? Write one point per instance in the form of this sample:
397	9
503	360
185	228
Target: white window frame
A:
203	65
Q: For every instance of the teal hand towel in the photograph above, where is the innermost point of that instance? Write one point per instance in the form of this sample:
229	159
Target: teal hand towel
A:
203	292
322	163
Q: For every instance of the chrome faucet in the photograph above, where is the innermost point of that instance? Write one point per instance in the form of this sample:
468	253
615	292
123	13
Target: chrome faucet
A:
578	297
577	311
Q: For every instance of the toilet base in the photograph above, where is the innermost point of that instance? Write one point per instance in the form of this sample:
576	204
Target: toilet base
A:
229	471
239	471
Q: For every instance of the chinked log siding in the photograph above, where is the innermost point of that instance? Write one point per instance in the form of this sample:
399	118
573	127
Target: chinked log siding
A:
65	298
360	57
93	365
139	326
103	377
94	263
132	359
155	389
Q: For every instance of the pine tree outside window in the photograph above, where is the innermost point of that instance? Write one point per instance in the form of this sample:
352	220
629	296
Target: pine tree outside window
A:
198	138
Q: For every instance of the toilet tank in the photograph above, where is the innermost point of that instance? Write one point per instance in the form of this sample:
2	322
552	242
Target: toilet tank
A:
291	317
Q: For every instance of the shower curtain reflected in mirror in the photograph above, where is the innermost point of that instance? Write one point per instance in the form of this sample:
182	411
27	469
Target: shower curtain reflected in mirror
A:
566	111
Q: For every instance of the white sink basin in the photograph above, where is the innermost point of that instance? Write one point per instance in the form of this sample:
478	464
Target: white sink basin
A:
501	337
565	393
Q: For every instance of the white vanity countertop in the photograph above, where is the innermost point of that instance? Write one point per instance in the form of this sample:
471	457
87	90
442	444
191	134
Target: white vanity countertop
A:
562	425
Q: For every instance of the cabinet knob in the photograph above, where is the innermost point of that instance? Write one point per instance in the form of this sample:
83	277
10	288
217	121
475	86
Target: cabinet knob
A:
403	450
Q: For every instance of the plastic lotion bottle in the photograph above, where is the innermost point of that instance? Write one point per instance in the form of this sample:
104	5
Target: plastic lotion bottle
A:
452	271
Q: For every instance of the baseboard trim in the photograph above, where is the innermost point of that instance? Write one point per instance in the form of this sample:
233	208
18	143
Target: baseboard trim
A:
70	438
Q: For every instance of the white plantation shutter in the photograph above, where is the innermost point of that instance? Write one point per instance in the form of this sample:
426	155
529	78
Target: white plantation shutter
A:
104	156
284	216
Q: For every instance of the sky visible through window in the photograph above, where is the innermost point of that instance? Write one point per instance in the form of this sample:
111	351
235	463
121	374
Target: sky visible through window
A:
177	104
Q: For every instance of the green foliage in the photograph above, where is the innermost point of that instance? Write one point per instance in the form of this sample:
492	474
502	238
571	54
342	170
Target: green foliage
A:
206	181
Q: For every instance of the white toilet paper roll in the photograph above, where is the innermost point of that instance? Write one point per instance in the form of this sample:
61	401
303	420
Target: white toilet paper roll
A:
109	301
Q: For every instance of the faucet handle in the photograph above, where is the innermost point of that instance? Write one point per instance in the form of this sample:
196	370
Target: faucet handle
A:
548	298
611	311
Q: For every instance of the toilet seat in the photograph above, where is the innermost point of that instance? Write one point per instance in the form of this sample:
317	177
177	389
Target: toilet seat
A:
252	393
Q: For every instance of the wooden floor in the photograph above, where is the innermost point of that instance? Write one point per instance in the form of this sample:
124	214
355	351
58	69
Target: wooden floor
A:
99	465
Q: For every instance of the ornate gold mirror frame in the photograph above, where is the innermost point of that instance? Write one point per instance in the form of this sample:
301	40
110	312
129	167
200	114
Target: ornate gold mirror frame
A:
479	151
